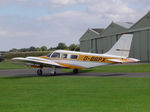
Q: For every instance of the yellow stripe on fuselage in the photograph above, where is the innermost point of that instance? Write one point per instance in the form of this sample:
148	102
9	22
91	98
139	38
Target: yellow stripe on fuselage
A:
95	59
88	58
71	66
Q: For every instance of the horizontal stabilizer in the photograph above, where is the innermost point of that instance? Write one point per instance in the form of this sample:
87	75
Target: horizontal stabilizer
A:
128	60
115	60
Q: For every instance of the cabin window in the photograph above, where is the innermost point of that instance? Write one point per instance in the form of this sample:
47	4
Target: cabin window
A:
64	56
55	55
74	56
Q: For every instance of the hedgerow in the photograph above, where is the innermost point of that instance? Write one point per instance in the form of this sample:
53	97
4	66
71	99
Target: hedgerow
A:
11	55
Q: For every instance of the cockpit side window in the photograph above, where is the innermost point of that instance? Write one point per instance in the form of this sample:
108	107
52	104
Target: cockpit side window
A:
74	56
64	56
55	55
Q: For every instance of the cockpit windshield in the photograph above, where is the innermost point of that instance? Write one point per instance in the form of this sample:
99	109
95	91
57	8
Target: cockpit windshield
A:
55	55
48	55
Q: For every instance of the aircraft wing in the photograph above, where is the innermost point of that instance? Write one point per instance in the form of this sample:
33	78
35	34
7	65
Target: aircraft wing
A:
37	60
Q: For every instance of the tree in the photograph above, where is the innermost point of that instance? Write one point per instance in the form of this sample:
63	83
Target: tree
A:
32	48
24	49
44	48
74	47
38	49
13	50
61	46
52	49
77	48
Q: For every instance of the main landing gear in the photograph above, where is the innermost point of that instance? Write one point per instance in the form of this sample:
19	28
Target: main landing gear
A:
75	71
39	72
52	71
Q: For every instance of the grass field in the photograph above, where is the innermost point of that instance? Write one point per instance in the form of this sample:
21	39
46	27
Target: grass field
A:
74	94
9	65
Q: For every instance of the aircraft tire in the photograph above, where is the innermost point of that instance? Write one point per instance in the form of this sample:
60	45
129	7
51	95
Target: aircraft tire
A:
75	71
39	72
54	73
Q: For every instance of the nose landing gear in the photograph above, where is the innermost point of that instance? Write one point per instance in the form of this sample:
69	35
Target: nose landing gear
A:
52	71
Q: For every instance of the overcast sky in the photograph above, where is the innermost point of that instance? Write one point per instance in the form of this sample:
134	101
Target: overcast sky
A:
25	23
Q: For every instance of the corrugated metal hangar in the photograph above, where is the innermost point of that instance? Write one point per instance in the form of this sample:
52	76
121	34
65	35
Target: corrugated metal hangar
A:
101	40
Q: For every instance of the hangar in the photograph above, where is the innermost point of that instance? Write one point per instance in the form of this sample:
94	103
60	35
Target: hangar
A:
101	40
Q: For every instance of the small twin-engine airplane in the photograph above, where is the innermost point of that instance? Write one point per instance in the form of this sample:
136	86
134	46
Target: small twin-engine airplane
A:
79	60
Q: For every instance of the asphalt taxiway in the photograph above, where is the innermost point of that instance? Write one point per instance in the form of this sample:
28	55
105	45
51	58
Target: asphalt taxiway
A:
32	73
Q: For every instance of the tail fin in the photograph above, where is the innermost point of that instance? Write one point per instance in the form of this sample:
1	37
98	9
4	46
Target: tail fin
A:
122	46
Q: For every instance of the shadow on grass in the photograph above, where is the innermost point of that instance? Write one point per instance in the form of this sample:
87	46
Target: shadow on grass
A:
85	70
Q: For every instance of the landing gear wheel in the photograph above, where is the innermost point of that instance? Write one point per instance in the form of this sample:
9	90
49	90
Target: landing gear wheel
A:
75	71
54	73
39	72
